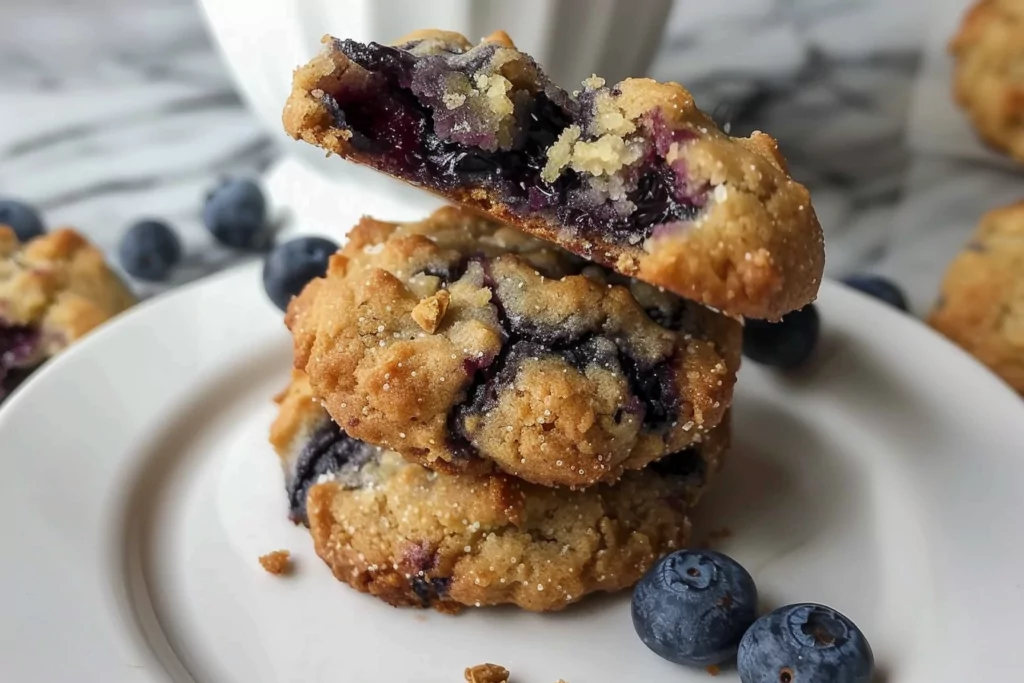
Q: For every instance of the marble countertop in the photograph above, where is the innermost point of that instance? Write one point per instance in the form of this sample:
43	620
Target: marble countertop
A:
114	111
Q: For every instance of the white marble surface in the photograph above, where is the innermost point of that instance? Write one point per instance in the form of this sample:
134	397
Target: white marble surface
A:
111	110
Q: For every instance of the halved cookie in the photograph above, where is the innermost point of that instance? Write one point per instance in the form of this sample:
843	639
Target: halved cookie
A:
632	176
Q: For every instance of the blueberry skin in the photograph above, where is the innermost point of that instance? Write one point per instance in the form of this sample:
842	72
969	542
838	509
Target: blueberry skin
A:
880	288
22	218
149	251
290	266
236	215
805	643
787	344
693	606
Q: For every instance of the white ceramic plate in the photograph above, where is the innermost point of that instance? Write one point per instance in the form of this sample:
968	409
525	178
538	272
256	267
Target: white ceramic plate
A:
138	490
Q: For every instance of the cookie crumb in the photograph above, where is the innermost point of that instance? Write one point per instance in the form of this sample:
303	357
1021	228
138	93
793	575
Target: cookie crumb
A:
486	673
713	669
492	673
278	562
429	312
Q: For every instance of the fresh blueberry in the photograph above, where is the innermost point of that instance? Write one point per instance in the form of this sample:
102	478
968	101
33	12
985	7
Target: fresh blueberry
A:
293	264
22	218
880	288
693	606
786	344
236	215
150	250
805	643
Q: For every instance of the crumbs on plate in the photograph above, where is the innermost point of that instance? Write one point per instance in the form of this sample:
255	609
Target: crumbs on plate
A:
489	673
278	562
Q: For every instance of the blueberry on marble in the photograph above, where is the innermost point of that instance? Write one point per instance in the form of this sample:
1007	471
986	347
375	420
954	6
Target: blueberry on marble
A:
879	287
22	218
292	265
786	344
18	344
693	607
236	215
150	250
805	643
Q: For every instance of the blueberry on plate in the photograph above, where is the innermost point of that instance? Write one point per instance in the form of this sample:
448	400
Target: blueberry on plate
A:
22	218
236	215
805	643
290	266
693	606
150	250
786	344
879	287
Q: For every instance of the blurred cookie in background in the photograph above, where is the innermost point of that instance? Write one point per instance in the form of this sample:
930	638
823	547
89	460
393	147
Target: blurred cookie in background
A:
988	79
54	288
981	307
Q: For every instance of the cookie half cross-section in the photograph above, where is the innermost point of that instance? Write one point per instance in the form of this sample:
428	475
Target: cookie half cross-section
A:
631	175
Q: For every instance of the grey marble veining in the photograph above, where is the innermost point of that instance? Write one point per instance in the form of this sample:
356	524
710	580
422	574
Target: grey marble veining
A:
111	110
830	79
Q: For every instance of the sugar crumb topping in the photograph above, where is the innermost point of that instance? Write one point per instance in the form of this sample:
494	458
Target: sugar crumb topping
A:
277	562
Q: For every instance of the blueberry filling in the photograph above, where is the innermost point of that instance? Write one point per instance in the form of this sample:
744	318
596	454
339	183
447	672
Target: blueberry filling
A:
398	115
654	396
655	387
430	590
19	345
328	451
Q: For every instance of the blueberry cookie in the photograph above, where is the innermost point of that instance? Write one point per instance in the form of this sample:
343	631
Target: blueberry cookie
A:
53	289
981	307
415	537
632	176
464	344
989	72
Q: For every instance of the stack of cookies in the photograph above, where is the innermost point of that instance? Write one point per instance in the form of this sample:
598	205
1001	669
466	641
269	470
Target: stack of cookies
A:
518	400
